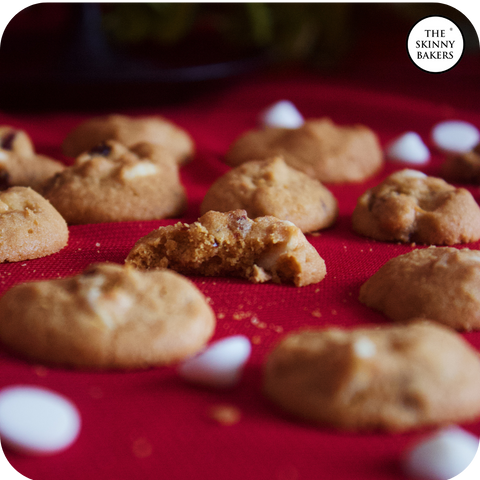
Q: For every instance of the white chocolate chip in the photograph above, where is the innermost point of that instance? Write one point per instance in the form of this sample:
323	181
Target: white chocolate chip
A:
282	114
442	456
37	421
141	169
408	173
455	136
408	148
220	365
4	207
364	348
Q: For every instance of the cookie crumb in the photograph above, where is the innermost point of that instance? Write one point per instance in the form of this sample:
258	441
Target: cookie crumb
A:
142	448
95	392
224	414
40	370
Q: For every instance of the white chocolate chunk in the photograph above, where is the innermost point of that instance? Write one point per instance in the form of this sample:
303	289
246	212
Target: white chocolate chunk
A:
282	114
409	148
443	456
141	169
37	421
220	365
408	173
364	348
455	136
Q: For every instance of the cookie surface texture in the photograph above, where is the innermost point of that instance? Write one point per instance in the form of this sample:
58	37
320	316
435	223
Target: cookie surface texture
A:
321	149
19	164
438	283
271	187
130	131
231	244
463	168
392	378
30	227
409	206
112	184
110	316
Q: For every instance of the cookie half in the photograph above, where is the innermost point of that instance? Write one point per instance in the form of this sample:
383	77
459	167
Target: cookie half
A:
30	227
438	283
130	131
19	164
110	316
320	148
392	378
409	206
231	244
112	183
271	187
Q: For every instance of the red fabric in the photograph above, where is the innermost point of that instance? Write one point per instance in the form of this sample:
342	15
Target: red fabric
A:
150	424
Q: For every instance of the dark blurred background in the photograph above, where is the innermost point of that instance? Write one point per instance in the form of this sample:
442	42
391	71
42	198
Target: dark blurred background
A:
91	55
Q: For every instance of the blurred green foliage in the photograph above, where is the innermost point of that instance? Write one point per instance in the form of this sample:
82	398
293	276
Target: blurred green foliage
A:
317	32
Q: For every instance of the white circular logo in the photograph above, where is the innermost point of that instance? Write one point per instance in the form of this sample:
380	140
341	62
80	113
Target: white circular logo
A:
435	44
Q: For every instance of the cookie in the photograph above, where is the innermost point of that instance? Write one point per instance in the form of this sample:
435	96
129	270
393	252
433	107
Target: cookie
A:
231	244
112	183
271	187
463	167
323	150
130	131
392	378
29	226
19	164
110	316
438	283
409	206
17	141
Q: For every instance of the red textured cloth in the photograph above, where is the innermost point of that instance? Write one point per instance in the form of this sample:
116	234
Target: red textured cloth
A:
150	424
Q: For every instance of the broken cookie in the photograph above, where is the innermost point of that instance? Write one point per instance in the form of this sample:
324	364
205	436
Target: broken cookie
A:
231	244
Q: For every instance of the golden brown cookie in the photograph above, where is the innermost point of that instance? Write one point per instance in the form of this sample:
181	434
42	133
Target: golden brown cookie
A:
231	244
409	206
438	283
112	183
19	164
271	187
17	141
29	226
130	131
323	150
392	378
110	316
463	168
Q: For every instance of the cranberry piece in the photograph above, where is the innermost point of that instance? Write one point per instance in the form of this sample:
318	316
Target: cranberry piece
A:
6	141
101	149
4	180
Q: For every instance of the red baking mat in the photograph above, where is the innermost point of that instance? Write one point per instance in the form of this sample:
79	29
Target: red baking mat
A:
150	424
